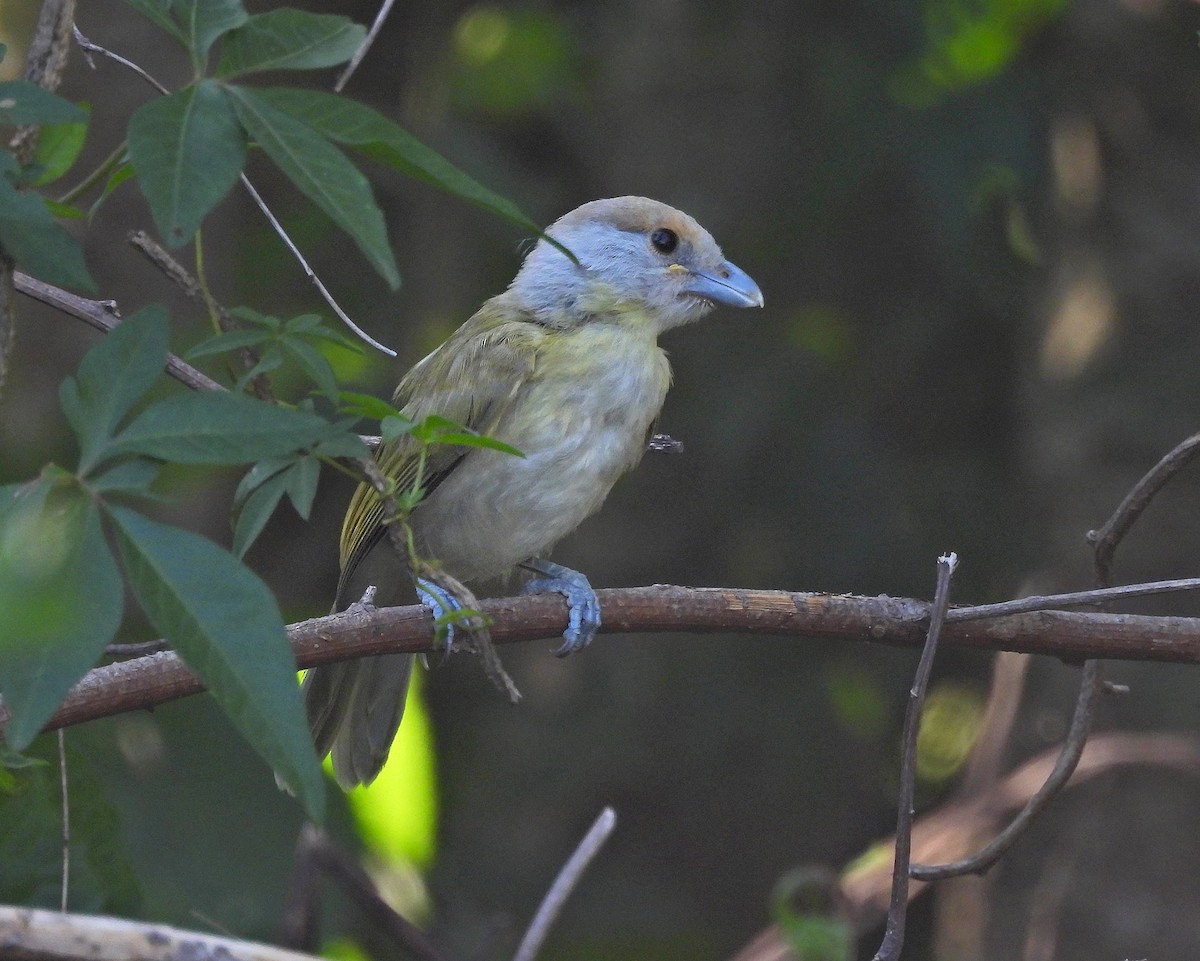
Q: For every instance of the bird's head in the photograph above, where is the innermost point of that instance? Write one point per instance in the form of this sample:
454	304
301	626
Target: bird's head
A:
636	257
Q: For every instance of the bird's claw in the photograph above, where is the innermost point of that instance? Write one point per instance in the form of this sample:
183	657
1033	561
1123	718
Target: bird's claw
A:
583	620
441	603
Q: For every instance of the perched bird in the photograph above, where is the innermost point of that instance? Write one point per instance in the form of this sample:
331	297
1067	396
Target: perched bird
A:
564	366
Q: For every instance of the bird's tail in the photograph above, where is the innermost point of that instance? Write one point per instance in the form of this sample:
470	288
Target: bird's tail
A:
354	710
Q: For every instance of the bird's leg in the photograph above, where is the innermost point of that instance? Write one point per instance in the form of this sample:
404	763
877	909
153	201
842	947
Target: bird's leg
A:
584	619
441	603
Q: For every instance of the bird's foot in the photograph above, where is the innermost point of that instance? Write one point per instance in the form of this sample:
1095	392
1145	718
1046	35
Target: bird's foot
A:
584	618
443	605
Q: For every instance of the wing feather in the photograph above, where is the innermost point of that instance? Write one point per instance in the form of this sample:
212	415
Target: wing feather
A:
472	379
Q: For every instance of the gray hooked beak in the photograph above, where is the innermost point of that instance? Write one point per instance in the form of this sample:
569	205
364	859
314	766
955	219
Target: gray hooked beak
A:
728	285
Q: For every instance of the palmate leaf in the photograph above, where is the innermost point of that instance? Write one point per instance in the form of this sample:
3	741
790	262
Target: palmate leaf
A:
217	429
60	599
112	377
321	173
358	126
188	150
224	622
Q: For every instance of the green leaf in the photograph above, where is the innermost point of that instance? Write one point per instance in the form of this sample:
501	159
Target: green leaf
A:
230	340
119	176
396	425
58	148
313	363
356	125
159	11
257	510
365	405
288	39
225	624
343	444
435	429
206	20
302	482
322	174
188	150
37	242
22	102
217	428
133	476
60	601
112	377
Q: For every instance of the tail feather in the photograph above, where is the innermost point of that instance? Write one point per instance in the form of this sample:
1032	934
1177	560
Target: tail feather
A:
354	710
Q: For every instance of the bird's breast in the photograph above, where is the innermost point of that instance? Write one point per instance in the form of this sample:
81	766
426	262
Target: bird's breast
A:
581	421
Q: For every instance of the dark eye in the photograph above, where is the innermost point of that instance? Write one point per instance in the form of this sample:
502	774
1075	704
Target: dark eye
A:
665	241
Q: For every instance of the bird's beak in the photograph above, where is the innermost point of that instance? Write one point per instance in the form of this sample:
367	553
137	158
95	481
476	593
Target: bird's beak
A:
728	285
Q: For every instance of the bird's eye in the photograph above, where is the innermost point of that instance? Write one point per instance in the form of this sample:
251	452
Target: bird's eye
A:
664	241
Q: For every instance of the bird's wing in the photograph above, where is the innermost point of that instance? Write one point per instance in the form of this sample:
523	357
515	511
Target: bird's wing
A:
472	379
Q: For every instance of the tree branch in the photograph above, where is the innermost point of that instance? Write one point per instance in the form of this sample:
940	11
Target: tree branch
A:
147	681
29	934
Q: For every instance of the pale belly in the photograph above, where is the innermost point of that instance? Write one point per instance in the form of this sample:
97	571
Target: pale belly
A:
496	510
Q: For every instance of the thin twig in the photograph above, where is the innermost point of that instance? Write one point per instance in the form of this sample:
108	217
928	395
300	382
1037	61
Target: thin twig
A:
384	9
1064	767
315	849
90	47
308	271
178	274
1106	538
104	316
566	882
66	818
1047	602
893	936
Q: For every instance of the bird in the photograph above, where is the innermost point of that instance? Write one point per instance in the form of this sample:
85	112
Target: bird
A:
564	366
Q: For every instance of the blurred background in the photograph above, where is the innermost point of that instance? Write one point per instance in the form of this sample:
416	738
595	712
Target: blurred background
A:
976	224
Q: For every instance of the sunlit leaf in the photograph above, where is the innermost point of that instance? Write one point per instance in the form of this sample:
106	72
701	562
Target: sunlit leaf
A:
58	147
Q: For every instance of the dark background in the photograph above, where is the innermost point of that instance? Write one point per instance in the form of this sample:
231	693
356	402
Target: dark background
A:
977	229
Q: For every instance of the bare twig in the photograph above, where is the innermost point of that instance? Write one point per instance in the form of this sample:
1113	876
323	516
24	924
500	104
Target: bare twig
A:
893	937
1046	602
90	48
309	272
148	681
385	8
178	274
104	316
315	850
63	786
34	933
954	828
1064	767
564	884
1106	538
